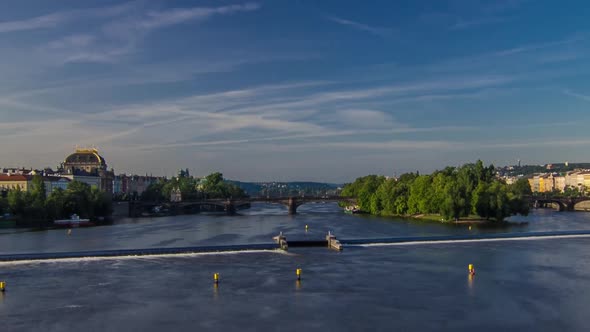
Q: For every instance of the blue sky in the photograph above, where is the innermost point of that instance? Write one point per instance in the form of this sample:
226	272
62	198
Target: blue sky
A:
294	90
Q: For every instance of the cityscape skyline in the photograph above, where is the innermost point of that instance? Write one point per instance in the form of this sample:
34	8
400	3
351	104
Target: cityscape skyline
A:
284	91
548	168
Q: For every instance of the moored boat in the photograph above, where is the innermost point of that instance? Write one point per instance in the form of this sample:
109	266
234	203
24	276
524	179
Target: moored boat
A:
352	209
74	221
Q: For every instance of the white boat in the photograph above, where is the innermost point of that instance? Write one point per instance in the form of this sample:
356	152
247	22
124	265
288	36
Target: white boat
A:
74	221
352	209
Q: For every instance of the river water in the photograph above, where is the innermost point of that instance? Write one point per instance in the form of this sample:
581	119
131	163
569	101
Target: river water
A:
535	284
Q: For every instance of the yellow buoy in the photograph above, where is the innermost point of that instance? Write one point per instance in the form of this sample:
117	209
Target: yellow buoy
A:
216	278
471	269
469	227
298	272
306	227
2	286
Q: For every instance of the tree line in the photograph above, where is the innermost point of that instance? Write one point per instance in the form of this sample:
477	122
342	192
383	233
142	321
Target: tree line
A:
453	193
35	207
211	186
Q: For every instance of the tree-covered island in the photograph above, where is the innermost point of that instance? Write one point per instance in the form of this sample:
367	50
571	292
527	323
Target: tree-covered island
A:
451	194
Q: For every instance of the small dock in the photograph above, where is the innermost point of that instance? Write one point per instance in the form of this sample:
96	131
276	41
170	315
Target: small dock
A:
281	240
333	243
330	242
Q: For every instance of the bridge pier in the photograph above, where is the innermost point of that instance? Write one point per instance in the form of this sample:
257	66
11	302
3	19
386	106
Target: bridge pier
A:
230	207
292	205
571	205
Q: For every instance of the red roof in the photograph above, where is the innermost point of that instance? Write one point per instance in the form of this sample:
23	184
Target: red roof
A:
14	177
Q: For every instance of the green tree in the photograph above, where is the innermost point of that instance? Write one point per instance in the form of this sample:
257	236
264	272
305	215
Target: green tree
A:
421	195
101	204
499	201
452	193
481	201
16	202
3	206
154	192
521	188
453	206
38	188
385	195
36	199
77	200
55	204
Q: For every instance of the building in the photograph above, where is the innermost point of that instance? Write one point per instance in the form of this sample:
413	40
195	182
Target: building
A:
23	182
559	183
133	185
12	181
175	195
91	180
86	165
548	182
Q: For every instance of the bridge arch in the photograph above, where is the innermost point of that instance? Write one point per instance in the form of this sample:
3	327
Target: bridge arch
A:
292	203
230	206
582	205
561	206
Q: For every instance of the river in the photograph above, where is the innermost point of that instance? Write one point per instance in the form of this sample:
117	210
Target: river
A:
535	284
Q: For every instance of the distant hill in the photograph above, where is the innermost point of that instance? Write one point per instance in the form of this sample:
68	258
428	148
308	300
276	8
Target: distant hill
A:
298	188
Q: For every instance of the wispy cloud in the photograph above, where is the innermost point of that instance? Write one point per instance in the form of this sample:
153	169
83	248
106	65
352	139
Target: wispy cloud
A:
40	22
159	19
478	22
56	19
379	31
112	33
577	95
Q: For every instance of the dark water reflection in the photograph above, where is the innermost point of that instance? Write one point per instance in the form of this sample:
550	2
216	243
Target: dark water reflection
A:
540	285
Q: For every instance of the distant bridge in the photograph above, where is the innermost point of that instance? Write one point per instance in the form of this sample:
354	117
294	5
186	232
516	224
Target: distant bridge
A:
562	203
229	206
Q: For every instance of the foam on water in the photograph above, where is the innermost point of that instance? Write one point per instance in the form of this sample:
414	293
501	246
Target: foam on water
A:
135	257
434	242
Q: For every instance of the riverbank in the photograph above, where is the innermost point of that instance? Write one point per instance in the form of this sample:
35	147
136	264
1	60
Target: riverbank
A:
472	220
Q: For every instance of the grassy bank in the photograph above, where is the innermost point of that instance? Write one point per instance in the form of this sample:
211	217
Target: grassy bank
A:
471	220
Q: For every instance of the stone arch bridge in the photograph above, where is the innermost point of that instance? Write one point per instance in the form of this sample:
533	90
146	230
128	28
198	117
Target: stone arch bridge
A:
229	206
562	203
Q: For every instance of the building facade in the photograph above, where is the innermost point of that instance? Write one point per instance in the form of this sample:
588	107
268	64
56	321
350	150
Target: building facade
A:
543	183
88	166
15	182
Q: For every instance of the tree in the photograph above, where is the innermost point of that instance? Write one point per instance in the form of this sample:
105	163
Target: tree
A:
154	192
77	200
38	188
55	204
452	193
453	206
481	201
36	199
421	195
16	202
101	205
3	205
521	188
499	201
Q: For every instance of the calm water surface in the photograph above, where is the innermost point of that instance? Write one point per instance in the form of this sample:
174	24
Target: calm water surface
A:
540	285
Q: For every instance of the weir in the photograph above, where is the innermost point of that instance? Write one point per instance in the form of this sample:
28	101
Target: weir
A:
418	240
